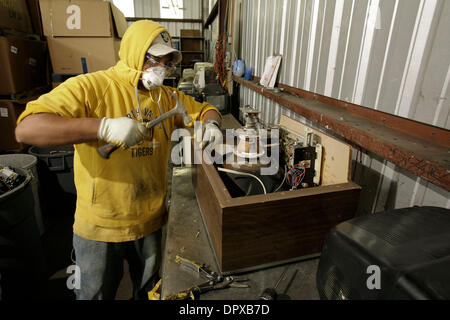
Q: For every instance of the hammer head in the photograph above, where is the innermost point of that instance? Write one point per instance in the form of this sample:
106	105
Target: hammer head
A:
181	109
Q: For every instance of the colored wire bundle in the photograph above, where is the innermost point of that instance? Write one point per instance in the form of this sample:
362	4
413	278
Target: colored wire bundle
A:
295	176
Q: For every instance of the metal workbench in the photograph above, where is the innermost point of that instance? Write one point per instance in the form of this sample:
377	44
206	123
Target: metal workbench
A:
187	236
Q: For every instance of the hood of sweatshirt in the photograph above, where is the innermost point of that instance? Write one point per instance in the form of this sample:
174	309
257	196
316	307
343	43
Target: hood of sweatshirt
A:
133	47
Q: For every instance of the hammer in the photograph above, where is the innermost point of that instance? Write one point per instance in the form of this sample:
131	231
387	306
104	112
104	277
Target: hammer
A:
106	150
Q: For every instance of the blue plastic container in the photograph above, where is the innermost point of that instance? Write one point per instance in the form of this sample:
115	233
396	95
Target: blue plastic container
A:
248	74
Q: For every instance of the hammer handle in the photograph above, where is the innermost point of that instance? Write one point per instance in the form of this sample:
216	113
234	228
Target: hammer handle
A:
106	150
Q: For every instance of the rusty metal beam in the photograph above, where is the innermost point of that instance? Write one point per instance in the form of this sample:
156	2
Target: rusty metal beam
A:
223	5
426	158
418	129
212	15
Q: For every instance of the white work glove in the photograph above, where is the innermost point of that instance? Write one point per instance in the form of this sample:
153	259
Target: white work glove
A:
211	134
123	132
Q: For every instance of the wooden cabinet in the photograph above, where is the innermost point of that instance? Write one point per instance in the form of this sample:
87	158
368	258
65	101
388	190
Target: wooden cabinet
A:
255	231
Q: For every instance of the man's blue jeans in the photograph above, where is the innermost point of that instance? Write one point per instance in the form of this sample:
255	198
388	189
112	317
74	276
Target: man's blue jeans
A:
101	266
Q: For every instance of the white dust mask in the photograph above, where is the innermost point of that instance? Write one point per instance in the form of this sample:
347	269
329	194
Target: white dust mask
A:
153	77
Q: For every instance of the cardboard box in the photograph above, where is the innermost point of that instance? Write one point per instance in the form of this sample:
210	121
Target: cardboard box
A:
82	55
81	18
24	64
9	112
82	35
14	15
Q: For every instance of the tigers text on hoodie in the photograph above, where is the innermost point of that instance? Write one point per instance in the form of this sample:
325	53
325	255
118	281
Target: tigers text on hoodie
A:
121	198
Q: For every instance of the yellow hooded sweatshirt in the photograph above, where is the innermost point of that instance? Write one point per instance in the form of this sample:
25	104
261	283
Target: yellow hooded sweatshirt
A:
122	198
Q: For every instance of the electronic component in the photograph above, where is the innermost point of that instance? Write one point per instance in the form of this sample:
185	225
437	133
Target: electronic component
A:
9	179
305	157
251	117
302	157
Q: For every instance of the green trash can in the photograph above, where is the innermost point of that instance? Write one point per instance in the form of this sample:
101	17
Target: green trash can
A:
22	261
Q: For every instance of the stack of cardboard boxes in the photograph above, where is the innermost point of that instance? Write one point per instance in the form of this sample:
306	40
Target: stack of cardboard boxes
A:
24	66
83	36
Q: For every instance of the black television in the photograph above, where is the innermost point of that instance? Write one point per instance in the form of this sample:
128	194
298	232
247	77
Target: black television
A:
399	254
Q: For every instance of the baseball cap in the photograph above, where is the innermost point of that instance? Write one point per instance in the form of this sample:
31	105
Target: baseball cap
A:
162	46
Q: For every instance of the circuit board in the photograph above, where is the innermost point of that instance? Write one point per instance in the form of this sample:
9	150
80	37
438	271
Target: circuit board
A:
289	141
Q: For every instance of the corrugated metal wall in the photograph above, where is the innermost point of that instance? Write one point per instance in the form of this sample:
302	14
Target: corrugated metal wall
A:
389	55
151	9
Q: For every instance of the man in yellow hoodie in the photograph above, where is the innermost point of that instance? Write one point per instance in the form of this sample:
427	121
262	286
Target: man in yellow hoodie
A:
120	201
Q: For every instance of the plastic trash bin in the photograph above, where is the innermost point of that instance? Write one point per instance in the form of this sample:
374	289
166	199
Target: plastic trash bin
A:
22	262
55	169
27	162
